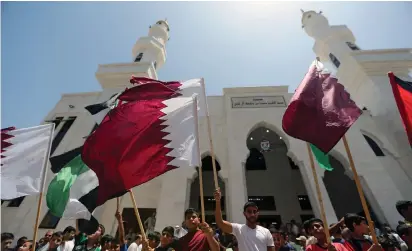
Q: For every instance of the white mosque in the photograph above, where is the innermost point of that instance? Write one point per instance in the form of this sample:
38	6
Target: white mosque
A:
256	160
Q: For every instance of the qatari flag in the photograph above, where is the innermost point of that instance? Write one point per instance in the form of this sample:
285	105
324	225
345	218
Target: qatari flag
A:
320	111
186	88
153	133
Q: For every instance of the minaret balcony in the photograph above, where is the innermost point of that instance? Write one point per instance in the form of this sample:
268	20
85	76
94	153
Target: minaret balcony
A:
118	75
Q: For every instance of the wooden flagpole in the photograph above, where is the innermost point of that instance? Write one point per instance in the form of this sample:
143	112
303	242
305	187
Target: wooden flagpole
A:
136	212
320	199
200	172
43	184
360	191
209	128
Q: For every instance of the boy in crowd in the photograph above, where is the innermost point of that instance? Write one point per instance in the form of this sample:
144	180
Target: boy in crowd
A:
359	239
281	243
6	241
167	240
316	228
68	239
200	235
136	245
26	246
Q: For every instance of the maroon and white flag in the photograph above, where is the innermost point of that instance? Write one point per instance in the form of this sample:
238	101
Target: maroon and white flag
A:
152	132
24	155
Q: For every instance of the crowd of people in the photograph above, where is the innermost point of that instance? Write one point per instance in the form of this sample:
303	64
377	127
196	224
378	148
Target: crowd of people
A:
351	233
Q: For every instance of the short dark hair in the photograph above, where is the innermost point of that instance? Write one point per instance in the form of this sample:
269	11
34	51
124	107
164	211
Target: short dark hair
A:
191	211
154	236
353	218
7	236
138	236
22	240
58	234
308	224
69	229
282	233
403	205
403	229
106	238
170	230
250	204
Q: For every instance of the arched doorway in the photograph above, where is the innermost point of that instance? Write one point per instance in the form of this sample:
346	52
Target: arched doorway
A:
273	180
208	190
342	191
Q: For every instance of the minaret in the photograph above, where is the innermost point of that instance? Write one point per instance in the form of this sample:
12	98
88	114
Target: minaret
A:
148	55
332	43
152	49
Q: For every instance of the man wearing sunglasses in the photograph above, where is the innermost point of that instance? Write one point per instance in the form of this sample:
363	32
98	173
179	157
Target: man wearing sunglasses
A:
250	236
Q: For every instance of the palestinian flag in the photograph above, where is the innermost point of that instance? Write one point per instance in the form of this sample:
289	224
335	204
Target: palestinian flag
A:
72	194
320	111
402	91
155	132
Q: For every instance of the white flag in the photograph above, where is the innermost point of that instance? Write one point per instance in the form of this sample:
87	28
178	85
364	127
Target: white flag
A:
25	153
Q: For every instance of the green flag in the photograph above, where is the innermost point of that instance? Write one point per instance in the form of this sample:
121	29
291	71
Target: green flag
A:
322	158
58	193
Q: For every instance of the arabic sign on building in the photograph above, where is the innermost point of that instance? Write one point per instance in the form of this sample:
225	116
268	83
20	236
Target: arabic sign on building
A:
258	102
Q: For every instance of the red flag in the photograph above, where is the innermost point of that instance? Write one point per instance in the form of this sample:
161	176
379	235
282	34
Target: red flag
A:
320	112
147	136
402	91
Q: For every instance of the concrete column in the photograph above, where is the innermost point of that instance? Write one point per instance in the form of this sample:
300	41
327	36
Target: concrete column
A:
236	192
174	197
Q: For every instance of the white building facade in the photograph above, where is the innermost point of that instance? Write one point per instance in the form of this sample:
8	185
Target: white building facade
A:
256	160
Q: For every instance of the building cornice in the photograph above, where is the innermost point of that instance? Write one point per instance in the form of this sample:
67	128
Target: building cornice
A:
257	89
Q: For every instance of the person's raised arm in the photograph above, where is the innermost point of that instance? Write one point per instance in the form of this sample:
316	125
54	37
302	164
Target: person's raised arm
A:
119	218
225	226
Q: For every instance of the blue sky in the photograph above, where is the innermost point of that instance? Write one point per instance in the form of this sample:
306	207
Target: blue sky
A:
50	48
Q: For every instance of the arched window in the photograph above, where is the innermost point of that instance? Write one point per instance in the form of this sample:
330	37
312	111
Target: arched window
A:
352	46
374	146
334	60
139	57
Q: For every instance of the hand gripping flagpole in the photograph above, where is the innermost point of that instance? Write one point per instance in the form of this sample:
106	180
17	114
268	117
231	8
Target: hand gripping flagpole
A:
43	183
200	172
320	199
360	191
209	127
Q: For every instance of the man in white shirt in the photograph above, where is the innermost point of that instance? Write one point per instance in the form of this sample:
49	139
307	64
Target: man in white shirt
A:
136	245
250	236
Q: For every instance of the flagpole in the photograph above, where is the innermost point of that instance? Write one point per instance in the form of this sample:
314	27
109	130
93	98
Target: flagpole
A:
209	127
43	183
320	199
200	172
136	212
360	191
